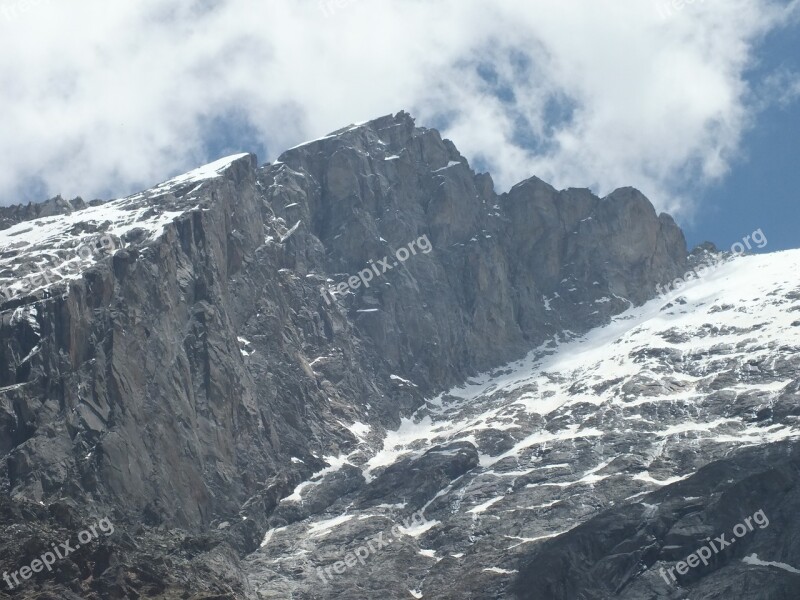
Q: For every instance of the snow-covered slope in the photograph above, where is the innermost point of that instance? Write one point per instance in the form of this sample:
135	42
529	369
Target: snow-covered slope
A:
664	352
39	253
578	426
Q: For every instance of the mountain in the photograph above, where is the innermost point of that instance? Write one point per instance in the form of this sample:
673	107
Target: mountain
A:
263	374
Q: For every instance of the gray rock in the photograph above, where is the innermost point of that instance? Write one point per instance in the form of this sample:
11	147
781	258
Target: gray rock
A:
199	377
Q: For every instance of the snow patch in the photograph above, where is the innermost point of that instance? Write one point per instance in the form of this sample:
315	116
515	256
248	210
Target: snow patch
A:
754	560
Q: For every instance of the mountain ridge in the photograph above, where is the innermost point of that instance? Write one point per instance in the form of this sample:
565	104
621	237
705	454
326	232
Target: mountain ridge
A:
193	382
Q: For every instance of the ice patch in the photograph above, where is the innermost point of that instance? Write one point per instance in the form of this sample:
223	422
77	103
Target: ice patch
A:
754	560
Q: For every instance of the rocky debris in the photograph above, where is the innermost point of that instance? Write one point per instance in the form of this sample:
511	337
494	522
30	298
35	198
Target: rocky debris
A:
415	482
621	553
141	561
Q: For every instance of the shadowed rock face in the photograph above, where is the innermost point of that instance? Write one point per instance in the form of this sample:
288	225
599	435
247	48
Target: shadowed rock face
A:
625	552
479	298
187	383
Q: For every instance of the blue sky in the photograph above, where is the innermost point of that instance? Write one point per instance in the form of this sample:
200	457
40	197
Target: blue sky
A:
698	108
763	188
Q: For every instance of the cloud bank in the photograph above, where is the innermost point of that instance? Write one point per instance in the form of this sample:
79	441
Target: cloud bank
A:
100	99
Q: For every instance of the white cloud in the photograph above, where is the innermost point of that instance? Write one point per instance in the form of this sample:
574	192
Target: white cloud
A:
106	97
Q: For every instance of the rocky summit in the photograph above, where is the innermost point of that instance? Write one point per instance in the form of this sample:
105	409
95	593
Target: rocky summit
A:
360	373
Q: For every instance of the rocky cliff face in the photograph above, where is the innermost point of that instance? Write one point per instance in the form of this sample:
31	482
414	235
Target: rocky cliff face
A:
202	364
